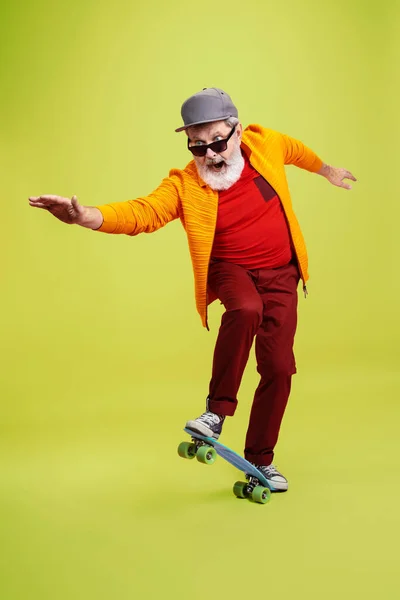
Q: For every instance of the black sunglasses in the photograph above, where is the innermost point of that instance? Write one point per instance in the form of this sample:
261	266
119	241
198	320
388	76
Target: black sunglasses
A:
218	147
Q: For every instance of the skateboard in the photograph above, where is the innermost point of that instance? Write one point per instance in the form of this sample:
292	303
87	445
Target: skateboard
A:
206	450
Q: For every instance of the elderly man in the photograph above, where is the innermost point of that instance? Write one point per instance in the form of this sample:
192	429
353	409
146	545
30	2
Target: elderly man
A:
247	250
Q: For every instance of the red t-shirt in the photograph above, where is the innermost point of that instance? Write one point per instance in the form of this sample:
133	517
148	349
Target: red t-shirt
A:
251	228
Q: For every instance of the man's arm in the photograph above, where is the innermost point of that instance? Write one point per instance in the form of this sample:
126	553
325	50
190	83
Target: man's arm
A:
132	217
297	153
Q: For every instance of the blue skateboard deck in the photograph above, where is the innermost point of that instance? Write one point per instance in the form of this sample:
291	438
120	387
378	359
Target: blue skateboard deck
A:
232	458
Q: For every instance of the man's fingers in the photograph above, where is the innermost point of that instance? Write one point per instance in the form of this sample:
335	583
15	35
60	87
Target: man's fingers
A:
349	175
36	200
52	198
49	200
39	205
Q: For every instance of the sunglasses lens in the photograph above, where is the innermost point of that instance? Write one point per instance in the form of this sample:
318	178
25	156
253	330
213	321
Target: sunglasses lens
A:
198	150
219	146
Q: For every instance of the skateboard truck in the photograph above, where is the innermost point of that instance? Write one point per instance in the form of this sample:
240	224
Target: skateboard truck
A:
203	451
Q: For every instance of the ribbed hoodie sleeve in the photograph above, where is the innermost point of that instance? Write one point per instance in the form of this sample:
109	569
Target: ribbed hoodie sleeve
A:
296	153
143	215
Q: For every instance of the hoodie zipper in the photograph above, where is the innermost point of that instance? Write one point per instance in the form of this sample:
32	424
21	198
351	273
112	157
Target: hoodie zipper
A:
208	265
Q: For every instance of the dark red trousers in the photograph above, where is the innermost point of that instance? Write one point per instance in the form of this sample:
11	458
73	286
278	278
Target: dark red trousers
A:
260	304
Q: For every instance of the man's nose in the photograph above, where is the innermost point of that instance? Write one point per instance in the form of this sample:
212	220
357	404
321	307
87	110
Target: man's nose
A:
210	153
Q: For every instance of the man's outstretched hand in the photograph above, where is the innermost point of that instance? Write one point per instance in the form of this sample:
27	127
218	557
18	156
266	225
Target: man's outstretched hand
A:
336	175
65	209
69	210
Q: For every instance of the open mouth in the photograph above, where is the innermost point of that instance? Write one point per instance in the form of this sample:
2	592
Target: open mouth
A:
217	166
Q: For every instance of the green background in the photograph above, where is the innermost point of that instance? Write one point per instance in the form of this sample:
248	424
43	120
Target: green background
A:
103	354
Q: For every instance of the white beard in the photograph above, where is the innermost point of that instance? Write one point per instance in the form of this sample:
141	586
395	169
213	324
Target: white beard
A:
231	173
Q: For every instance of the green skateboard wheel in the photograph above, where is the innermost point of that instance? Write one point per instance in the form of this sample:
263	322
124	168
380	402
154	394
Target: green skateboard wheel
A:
187	450
239	489
206	455
261	494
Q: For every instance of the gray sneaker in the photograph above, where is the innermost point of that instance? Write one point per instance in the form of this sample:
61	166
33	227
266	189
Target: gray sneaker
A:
276	480
208	424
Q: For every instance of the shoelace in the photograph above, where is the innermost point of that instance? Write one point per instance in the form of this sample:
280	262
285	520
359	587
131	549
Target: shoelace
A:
270	471
209	417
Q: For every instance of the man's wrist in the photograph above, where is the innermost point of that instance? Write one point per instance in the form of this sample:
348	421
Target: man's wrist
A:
325	170
92	218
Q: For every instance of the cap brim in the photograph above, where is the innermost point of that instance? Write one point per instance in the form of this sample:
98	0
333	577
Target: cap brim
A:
203	122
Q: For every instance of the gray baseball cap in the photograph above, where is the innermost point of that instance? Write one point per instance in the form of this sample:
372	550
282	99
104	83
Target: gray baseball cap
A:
211	104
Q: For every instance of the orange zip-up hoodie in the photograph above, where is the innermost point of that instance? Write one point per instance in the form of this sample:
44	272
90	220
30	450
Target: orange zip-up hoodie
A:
184	195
